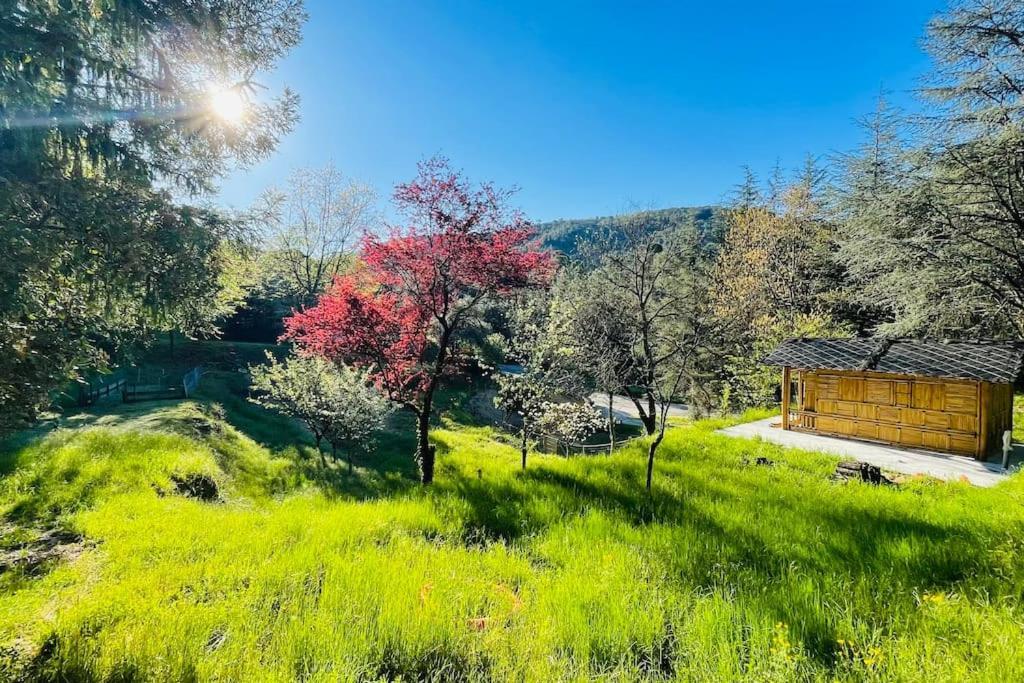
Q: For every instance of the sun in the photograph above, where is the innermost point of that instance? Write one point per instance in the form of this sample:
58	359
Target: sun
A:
227	104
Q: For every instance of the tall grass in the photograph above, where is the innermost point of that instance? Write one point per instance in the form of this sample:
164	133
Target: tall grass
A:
567	571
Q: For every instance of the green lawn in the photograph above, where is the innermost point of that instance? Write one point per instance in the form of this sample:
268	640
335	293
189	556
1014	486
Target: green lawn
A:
568	571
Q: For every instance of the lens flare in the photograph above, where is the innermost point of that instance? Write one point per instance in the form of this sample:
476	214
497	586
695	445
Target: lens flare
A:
228	105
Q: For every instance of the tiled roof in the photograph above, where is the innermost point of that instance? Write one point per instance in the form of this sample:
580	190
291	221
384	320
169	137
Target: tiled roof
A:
981	360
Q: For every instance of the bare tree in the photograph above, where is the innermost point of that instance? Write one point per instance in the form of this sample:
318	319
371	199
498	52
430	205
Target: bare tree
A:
659	285
312	226
602	332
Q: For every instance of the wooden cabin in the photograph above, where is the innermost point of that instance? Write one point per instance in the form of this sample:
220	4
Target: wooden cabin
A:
954	397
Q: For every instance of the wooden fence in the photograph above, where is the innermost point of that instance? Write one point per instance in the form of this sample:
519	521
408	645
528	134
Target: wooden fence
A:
92	391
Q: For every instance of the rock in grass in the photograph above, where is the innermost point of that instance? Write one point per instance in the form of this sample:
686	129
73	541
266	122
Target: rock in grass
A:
860	470
196	485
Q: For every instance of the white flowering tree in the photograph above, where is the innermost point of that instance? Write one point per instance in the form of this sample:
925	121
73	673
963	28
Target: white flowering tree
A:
569	422
359	411
523	395
541	346
338	404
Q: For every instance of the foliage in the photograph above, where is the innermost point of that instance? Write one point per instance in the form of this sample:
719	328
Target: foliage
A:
107	262
568	421
776	261
522	395
599	331
568	571
932	204
403	315
336	403
752	383
311	228
776	277
106	88
104	109
541	343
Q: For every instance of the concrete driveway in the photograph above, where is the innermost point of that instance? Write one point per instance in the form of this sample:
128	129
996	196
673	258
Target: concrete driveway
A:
903	460
625	410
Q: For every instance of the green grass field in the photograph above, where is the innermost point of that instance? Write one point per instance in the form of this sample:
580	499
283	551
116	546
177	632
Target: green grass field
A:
567	571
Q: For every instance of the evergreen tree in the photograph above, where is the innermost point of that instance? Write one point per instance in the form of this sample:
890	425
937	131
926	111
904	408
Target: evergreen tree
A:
105	108
934	205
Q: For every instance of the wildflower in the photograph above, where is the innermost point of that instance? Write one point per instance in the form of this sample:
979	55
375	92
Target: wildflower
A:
425	590
781	638
517	602
477	623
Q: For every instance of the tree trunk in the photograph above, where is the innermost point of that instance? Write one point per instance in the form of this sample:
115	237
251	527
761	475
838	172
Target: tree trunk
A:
323	456
651	421
349	458
522	445
611	423
651	449
647	416
424	451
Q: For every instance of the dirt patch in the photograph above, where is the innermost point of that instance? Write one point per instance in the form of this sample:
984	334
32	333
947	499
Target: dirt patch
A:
40	550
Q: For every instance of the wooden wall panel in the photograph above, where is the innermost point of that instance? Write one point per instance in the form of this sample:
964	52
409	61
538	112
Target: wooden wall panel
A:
888	432
828	387
810	387
961	398
909	416
927	396
937	440
934	419
964	423
888	413
902	393
845	408
917	412
960	443
851	389
866	430
879	391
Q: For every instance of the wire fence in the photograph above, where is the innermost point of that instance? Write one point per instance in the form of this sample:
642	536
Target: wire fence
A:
190	382
160	385
549	443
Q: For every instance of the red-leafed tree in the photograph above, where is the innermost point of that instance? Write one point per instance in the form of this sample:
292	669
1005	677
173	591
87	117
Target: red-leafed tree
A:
402	313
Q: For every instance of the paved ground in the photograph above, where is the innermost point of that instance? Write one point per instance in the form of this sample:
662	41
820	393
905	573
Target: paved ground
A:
907	461
625	410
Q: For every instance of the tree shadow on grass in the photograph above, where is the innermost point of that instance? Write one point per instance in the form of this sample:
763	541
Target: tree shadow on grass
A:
387	468
858	555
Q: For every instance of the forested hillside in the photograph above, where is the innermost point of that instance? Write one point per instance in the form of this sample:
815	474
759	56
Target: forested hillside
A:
565	234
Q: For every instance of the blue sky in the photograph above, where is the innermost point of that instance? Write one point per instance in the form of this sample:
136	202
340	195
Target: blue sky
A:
588	107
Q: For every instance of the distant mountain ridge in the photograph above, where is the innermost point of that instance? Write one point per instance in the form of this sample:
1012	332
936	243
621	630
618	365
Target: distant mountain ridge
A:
564	234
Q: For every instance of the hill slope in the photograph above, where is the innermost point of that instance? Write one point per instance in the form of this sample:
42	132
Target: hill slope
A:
564	235
566	571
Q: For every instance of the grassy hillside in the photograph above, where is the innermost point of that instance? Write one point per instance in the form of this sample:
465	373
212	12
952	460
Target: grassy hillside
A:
568	571
564	235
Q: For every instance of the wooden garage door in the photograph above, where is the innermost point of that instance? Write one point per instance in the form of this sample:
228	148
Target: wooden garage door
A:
934	414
